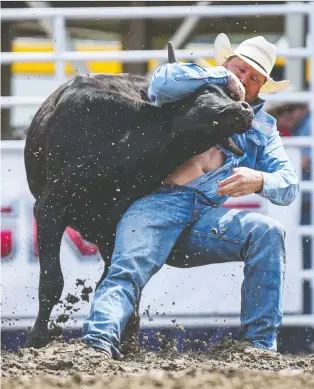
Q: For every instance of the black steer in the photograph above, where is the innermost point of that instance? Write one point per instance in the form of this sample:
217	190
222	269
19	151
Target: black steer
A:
95	146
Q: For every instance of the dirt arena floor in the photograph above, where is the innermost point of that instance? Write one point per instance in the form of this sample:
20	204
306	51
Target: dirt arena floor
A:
228	365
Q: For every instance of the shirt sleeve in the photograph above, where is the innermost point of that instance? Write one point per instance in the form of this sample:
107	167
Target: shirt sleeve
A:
281	184
174	81
218	75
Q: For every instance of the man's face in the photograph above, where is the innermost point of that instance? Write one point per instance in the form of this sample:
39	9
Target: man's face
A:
251	79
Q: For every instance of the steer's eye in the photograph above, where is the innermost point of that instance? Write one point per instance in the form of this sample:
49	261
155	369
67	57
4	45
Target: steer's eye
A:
205	91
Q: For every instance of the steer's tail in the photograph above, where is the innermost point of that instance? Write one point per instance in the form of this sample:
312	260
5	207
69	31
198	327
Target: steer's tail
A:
36	141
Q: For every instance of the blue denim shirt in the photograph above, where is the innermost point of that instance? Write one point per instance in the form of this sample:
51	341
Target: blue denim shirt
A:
261	143
265	153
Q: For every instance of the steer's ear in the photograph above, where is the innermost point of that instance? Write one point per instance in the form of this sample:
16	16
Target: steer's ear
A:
171	55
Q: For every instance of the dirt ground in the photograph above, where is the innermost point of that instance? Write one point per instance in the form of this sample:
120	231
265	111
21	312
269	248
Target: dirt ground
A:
228	365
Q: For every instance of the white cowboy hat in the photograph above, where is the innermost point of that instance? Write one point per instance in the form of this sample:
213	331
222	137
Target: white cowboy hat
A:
257	52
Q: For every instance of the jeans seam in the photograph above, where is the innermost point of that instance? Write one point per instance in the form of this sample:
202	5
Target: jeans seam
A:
216	237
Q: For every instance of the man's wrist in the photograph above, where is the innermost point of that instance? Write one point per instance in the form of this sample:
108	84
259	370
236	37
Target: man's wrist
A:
260	183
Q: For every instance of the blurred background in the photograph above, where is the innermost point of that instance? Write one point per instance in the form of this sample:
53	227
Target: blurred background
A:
37	35
45	43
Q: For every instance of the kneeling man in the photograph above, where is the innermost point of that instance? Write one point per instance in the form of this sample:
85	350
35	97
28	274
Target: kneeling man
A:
184	218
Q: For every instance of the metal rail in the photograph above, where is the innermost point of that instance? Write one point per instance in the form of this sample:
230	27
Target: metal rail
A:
162	12
123	55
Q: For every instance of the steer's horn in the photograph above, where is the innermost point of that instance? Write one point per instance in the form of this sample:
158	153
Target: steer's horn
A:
229	144
171	55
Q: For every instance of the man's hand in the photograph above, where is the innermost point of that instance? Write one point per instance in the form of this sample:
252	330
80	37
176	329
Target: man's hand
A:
243	181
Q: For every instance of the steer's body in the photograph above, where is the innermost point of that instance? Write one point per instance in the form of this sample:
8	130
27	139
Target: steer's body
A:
95	146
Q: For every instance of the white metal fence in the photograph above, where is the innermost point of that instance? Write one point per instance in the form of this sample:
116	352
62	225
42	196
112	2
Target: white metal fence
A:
58	16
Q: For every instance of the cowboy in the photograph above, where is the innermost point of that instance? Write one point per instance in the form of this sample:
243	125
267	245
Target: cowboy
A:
182	223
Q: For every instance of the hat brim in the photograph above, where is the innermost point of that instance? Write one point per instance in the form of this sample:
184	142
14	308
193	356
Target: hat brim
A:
223	51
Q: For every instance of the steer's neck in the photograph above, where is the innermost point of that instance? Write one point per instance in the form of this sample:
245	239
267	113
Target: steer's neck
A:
158	117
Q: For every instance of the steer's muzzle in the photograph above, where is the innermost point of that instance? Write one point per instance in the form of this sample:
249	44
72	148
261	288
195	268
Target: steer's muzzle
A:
246	113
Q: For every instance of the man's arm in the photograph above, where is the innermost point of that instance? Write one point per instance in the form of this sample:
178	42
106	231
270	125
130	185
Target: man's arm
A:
280	182
175	81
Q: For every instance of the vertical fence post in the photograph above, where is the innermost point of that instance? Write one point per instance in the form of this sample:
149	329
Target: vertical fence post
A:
59	38
6	79
311	47
294	68
311	102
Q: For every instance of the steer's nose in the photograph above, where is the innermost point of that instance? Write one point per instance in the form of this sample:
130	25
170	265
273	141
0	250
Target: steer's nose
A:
247	114
245	105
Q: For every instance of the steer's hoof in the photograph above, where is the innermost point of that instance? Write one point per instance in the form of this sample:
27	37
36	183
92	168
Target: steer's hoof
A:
37	340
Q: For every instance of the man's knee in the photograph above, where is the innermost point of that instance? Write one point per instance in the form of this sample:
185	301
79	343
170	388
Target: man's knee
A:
275	228
266	226
265	243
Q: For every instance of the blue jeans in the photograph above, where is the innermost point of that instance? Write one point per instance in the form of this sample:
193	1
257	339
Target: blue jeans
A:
182	221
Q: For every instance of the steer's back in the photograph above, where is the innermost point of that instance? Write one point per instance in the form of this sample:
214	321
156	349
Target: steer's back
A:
34	153
67	125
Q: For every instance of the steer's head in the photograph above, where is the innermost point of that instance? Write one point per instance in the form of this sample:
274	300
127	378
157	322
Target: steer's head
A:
212	106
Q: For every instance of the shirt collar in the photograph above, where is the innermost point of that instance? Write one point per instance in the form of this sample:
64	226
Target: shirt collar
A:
257	104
